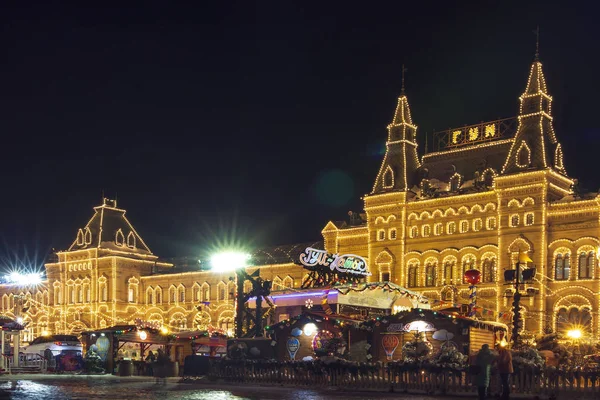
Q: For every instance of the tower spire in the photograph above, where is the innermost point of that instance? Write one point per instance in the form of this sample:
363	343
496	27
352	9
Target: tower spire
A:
537	43
535	146
403	74
400	163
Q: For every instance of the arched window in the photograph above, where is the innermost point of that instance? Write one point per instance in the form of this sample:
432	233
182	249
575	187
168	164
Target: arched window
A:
288	282
529	219
172	294
80	238
57	295
488	177
426	230
523	156
573	318
388	178
430	274
381	234
412	275
468	263
393	234
477	224
514	220
451	228
231	290
158	295
438	228
181	291
385	277
205	292
103	289
414	232
221	291
149	296
88	236
133	290
455	183
119	238
489	267
464	226
562	267
131	240
586	265
448	272
490	223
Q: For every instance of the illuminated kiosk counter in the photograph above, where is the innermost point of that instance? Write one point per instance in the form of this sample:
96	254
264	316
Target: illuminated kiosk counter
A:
435	330
355	301
320	322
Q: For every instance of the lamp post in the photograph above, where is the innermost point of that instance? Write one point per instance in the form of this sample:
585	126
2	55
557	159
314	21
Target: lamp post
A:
237	262
517	277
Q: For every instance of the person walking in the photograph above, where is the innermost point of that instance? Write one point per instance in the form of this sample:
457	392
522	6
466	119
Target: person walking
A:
162	361
505	368
150	359
484	361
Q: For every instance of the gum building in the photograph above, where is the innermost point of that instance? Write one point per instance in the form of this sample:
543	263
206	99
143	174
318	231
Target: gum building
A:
487	192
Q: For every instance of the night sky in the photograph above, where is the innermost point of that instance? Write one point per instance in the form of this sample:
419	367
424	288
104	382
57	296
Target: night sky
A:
256	122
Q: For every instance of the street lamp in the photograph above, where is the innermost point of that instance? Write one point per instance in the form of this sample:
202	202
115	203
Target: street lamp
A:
234	261
574	334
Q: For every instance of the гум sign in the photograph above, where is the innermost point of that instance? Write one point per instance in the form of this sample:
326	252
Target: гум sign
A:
347	263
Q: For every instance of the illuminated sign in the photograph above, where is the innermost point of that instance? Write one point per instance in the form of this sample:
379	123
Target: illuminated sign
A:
419	326
347	263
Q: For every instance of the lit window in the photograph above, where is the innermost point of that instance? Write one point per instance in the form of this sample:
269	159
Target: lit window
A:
562	267
430	275
464	226
477	224
381	235
393	234
514	220
414	232
586	265
451	228
448	272
412	276
529	219
426	230
438	228
489	267
490	223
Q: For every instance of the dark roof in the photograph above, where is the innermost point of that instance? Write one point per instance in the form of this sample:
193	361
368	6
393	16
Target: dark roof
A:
109	228
282	254
466	160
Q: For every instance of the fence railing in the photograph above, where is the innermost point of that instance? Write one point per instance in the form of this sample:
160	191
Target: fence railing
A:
28	360
378	376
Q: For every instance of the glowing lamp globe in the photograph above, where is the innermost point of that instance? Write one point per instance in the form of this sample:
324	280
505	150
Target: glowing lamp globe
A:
472	276
143	335
229	261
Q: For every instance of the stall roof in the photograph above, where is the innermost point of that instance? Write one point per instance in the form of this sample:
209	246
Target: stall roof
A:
202	338
9	324
129	333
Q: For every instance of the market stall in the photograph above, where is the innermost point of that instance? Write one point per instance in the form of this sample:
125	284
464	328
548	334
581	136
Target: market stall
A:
311	335
420	333
126	346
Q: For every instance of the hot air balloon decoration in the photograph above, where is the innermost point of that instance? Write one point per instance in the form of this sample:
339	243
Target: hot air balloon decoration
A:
472	276
389	343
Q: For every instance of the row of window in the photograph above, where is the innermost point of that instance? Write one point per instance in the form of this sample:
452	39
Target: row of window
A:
488	273
586	263
464	226
514	220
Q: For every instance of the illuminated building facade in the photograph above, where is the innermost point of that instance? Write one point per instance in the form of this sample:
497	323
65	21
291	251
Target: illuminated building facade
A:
109	276
487	192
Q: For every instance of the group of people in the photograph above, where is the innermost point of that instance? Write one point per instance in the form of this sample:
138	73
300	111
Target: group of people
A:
483	364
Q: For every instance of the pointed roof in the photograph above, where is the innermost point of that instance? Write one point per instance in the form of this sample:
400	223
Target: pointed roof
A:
402	114
400	163
535	146
109	229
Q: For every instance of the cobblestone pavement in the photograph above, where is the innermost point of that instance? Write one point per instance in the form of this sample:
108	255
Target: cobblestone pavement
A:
47	387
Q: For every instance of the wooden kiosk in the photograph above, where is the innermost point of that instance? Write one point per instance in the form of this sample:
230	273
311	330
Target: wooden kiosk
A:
437	329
